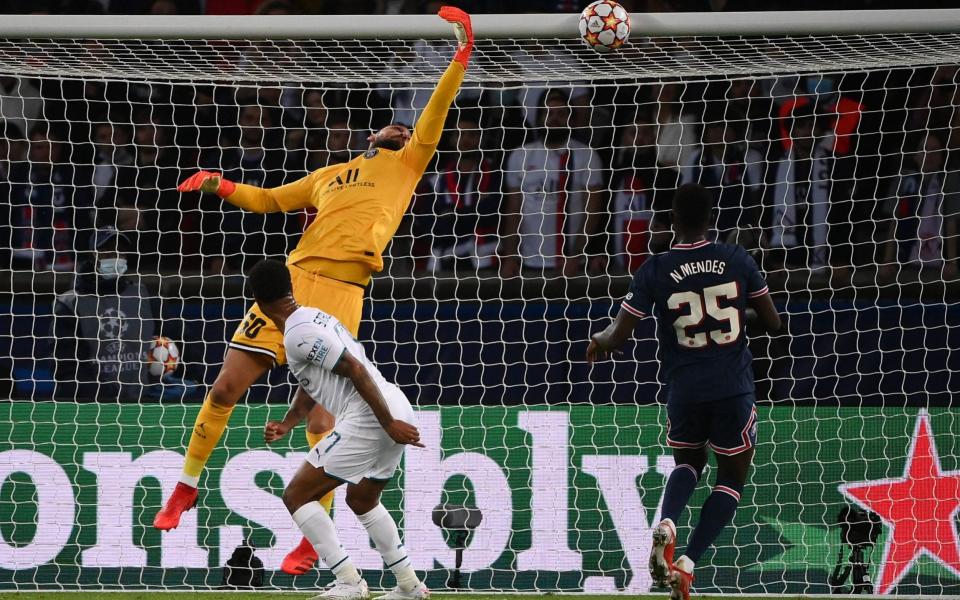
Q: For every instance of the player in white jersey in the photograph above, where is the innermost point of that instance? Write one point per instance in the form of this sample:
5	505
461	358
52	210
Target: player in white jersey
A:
373	424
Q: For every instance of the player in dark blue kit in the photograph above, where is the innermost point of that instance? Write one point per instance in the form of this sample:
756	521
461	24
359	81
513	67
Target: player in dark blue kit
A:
700	293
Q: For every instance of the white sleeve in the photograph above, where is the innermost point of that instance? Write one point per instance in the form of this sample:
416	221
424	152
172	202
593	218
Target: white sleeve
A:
317	344
687	169
514	174
754	168
593	173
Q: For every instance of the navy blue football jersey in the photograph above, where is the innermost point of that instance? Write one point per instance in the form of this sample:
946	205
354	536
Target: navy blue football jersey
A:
698	292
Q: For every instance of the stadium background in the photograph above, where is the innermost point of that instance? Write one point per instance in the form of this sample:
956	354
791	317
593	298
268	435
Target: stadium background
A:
863	357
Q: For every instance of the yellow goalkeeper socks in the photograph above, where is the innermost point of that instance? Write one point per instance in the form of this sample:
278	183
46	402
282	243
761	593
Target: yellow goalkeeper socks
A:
312	438
209	426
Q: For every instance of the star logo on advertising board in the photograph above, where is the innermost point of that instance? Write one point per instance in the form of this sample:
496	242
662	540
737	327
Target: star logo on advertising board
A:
919	509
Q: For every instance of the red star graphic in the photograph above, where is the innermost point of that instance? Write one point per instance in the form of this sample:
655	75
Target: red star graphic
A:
920	509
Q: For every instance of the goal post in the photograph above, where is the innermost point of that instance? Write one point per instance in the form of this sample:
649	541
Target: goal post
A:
829	140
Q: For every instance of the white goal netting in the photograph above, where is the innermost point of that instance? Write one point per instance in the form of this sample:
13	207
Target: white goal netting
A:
832	159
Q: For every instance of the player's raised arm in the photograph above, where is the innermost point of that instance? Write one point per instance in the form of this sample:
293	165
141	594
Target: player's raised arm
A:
429	127
292	196
399	431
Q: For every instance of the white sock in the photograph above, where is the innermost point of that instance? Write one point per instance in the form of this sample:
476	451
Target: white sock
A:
383	531
317	527
671	527
189	480
684	564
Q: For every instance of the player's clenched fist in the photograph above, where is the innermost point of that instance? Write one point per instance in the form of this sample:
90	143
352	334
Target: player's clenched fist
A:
206	181
273	431
463	29
404	433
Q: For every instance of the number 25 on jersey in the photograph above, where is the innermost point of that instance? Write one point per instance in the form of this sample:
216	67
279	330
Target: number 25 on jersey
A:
700	305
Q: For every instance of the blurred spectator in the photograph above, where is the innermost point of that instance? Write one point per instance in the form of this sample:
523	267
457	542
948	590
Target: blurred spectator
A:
941	100
51	207
231	7
163	7
199	118
274	7
258	152
103	328
20	102
330	145
844	113
734	175
749	111
280	103
149	186
13	151
677	133
461	222
312	121
234	237
923	221
802	189
641	190
553	198
532	60
112	150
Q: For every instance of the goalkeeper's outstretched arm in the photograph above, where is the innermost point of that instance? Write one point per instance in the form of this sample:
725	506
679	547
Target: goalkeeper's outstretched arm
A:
429	127
291	196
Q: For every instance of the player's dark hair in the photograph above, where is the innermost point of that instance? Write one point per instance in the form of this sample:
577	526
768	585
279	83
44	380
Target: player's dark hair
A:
557	94
269	280
692	206
338	117
469	114
805	112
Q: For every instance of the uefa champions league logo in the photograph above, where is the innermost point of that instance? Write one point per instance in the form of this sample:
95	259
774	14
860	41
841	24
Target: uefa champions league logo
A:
113	324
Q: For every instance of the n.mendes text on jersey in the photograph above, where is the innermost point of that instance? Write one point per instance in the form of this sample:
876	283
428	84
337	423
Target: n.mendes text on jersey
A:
698	266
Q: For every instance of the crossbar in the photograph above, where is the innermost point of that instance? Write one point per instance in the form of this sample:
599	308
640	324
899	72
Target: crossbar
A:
838	22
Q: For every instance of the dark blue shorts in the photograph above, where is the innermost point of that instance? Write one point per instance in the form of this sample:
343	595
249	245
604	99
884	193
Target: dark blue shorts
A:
729	426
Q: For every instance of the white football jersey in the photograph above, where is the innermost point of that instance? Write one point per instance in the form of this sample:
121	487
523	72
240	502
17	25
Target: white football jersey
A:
315	342
554	183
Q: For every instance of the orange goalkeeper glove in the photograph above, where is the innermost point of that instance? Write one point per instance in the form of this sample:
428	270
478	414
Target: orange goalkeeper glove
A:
463	29
205	181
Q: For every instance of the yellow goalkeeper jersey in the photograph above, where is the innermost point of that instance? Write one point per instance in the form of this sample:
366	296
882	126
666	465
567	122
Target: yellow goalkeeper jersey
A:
359	203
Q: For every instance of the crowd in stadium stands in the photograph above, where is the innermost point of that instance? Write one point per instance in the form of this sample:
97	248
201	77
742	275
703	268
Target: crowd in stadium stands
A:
817	171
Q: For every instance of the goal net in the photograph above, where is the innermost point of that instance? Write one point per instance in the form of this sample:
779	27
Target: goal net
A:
831	158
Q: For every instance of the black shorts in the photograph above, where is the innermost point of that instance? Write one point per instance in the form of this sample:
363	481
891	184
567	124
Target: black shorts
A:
729	426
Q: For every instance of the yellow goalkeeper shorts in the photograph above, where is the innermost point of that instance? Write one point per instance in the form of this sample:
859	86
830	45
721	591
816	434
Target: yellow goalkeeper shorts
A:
344	301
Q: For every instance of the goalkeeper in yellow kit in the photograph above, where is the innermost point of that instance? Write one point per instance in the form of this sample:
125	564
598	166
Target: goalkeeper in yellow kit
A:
359	206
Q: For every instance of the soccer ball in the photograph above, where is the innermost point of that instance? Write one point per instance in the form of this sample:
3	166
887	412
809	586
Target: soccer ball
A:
162	357
604	25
